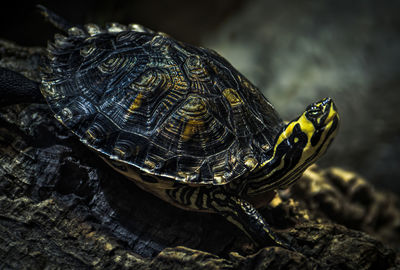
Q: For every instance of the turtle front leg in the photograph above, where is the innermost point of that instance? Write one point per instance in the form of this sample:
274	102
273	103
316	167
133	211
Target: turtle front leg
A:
236	210
246	217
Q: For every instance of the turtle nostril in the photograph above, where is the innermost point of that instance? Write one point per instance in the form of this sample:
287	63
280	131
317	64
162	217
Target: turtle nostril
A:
326	101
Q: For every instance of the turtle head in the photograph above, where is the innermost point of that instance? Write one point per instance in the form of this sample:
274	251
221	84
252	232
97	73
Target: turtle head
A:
299	144
317	126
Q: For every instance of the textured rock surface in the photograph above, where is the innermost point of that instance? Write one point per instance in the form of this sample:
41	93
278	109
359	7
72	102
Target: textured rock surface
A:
62	207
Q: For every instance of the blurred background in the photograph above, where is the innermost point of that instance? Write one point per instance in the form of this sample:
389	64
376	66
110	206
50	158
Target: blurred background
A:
296	52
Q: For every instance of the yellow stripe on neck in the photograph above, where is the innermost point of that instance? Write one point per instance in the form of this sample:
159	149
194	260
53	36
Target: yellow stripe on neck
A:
306	126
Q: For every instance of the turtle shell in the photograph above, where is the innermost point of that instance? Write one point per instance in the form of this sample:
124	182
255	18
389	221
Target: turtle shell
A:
162	106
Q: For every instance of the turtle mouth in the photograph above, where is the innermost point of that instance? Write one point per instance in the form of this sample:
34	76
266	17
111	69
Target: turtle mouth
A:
330	111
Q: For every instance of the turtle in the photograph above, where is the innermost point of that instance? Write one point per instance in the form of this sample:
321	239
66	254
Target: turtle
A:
178	120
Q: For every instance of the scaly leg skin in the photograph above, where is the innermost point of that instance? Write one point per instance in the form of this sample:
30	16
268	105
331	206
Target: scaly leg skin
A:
242	214
236	210
16	88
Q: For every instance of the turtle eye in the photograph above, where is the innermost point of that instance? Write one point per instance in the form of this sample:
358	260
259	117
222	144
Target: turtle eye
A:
314	111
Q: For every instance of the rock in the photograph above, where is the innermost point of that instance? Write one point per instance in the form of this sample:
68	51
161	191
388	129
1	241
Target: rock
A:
348	199
62	207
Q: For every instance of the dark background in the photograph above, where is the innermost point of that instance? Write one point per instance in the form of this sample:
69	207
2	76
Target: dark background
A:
185	20
296	51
